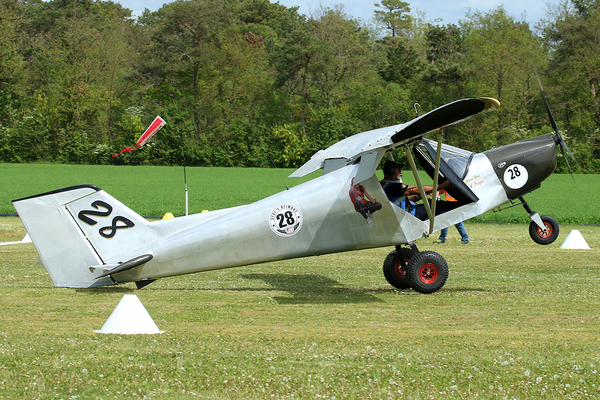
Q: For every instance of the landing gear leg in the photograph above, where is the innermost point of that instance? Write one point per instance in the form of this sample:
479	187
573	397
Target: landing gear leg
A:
543	229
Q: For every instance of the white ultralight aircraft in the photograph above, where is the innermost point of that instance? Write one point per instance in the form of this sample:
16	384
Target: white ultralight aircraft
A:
87	238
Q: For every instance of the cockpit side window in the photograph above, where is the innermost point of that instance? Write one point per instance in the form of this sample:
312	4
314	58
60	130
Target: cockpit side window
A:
457	159
454	164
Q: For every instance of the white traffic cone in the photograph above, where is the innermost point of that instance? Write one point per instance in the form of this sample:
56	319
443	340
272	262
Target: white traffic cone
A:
575	240
26	239
130	318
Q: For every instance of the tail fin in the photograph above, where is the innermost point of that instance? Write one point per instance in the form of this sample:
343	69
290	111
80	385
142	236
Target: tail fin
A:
76	229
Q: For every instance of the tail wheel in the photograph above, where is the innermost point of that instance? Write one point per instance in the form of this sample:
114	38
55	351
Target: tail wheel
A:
392	269
541	236
427	272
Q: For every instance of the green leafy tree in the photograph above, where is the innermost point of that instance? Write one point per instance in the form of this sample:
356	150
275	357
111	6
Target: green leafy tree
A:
394	16
69	49
293	57
573	38
403	62
503	53
11	61
446	66
188	36
201	61
210	63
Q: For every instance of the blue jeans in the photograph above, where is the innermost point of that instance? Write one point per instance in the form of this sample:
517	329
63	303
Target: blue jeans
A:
461	229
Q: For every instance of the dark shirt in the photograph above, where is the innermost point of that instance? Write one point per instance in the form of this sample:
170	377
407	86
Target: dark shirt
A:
393	189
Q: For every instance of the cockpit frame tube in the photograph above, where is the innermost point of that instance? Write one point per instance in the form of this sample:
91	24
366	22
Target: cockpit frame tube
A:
413	168
436	173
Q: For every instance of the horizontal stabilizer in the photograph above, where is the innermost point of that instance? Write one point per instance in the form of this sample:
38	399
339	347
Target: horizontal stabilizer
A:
130	264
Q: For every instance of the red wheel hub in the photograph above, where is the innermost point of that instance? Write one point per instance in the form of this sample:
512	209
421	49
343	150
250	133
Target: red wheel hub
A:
546	234
399	270
428	273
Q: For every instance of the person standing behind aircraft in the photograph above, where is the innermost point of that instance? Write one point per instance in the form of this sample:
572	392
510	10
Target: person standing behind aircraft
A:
460	226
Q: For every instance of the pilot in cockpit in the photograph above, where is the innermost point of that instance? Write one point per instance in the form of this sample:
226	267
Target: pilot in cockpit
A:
406	196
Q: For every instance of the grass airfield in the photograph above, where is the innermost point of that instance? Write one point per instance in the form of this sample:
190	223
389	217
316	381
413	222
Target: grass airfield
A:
515	320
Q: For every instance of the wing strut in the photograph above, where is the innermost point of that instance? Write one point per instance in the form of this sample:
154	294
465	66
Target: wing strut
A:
413	168
429	208
436	173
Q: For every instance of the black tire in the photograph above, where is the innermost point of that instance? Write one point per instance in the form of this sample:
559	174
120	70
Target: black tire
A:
427	272
541	237
392	269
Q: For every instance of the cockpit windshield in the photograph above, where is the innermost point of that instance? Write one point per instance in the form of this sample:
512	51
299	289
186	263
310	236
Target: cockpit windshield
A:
456	158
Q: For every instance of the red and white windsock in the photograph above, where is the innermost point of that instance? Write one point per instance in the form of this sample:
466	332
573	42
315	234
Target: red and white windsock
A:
151	131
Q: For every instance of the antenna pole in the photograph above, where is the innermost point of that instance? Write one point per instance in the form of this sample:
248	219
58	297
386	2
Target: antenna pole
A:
186	191
273	162
185	180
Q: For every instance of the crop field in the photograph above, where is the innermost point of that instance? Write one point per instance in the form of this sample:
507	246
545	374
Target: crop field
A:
514	321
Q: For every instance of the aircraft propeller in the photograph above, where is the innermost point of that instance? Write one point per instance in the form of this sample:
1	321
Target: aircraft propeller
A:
558	138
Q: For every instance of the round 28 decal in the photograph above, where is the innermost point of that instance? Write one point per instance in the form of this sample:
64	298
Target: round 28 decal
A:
515	176
285	220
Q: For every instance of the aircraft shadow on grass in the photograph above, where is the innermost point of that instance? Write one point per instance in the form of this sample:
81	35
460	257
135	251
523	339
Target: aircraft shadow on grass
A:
302	289
312	289
316	289
107	289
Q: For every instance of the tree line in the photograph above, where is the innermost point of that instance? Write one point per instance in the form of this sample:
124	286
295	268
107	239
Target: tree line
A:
255	83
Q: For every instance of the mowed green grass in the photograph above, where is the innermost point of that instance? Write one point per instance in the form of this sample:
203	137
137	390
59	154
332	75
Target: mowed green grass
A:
515	320
153	191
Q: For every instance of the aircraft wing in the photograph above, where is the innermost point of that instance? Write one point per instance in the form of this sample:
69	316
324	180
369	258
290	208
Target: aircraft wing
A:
371	145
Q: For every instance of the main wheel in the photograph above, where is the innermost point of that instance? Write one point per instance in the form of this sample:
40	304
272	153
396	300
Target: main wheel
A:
427	272
392	269
541	237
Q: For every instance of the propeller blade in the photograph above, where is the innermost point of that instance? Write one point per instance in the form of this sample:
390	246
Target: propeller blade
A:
552	121
562	151
563	145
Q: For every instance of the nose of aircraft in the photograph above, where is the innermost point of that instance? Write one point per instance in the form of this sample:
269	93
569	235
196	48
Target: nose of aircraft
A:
522	166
